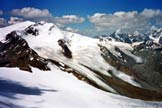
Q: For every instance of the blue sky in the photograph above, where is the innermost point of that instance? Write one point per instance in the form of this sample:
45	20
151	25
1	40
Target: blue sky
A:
87	16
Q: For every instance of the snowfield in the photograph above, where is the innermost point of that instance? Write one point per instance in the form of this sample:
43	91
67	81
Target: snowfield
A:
56	89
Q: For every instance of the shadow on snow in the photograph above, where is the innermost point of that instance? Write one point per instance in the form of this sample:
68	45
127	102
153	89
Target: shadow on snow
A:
10	89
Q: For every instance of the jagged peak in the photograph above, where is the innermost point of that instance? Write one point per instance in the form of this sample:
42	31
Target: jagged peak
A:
136	33
118	31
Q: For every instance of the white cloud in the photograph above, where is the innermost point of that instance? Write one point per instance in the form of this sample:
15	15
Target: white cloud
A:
128	21
1	12
14	20
29	12
71	29
38	15
150	13
3	22
69	19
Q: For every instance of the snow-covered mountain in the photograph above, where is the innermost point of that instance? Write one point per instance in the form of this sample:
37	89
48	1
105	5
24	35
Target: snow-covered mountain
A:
153	35
119	36
110	69
156	36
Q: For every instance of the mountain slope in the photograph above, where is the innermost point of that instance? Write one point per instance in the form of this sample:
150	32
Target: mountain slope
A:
56	89
106	64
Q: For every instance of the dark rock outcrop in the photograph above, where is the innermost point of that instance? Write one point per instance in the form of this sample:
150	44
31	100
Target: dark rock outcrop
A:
160	40
66	51
151	69
31	30
15	52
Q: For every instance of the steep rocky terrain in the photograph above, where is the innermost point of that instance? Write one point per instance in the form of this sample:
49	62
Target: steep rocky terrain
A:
15	52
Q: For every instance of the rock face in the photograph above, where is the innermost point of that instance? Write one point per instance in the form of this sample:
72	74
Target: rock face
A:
150	71
66	51
15	52
149	80
31	30
122	37
160	40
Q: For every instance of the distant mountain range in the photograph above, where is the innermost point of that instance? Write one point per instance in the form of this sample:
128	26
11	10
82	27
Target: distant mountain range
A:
154	36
